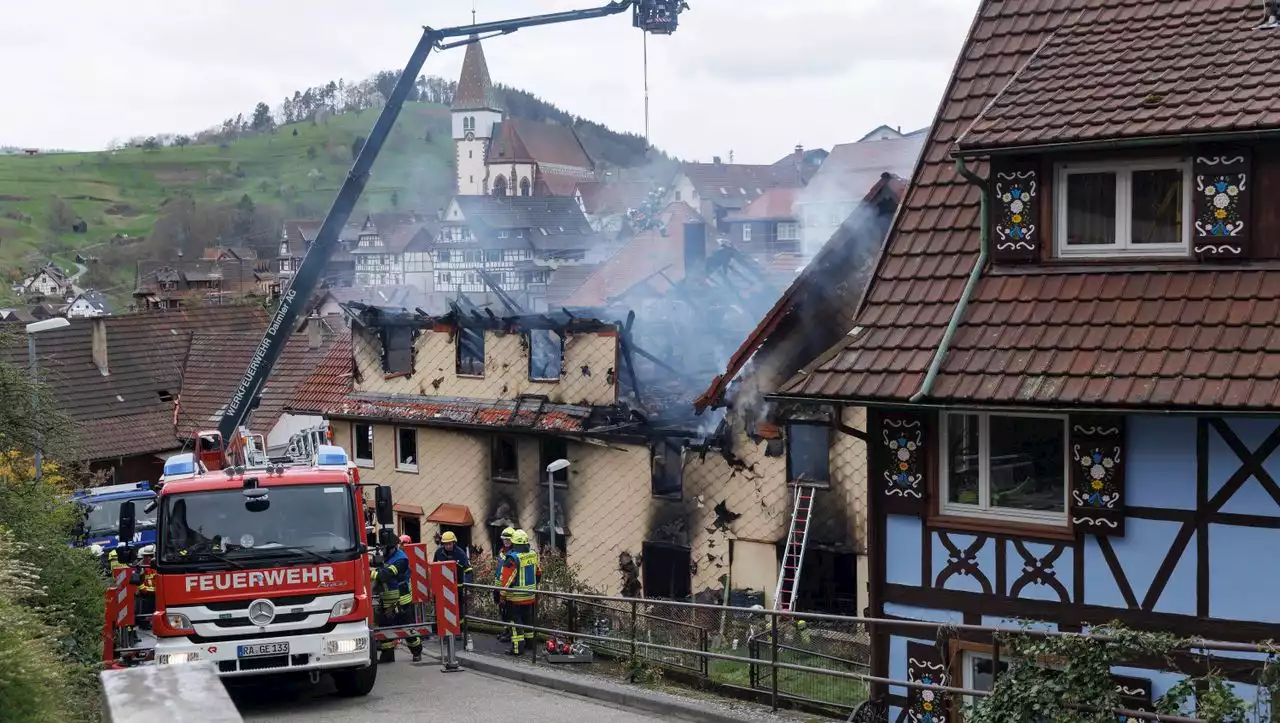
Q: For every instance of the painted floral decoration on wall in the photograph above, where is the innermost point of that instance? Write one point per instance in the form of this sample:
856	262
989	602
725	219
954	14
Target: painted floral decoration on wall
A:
1016	192
903	476
1099	473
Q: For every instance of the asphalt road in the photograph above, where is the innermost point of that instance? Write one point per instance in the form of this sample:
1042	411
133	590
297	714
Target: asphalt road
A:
407	692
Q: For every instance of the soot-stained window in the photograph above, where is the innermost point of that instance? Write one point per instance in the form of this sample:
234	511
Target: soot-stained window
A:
505	460
554	448
546	353
668	468
397	350
808	454
471	351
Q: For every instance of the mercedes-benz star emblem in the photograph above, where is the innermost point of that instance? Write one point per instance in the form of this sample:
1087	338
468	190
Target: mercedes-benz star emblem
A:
261	612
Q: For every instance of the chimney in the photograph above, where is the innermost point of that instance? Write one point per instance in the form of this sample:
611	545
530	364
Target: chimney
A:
695	248
715	160
100	344
799	149
313	331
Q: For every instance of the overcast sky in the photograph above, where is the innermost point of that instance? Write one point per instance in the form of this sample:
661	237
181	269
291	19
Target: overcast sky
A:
754	77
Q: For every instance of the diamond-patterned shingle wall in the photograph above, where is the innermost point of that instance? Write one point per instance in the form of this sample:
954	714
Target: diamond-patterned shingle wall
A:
586	379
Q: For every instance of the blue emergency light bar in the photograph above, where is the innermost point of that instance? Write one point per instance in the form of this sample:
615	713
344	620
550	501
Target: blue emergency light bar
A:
112	489
180	464
330	455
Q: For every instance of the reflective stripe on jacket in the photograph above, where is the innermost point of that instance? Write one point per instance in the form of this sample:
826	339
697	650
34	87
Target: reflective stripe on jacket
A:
520	577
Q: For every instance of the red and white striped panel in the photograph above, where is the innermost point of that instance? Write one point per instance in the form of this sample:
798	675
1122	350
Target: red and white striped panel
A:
419	572
444	583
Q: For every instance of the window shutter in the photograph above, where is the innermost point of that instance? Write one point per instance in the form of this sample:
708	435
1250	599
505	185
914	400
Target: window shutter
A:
1097	474
1015	212
900	441
1135	693
1223	184
924	665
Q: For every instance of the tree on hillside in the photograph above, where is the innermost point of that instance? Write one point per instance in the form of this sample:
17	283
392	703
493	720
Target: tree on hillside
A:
385	81
262	120
181	141
151	144
61	217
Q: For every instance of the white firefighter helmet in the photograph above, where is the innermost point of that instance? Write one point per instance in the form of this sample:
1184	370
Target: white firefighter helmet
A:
147	550
96	549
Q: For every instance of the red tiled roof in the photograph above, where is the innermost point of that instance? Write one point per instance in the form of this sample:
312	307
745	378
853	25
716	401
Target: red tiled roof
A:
329	383
517	140
145	355
617	197
1132	69
555	184
643	256
773	204
430	411
216	363
1175	337
733	185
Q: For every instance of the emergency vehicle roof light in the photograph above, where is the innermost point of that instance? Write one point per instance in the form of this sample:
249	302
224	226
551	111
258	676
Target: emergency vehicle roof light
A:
178	464
331	455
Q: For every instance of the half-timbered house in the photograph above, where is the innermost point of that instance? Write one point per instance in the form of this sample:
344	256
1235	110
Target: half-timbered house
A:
1070	349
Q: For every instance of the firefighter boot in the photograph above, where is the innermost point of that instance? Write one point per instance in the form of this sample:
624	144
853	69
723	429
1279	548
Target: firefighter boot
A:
387	655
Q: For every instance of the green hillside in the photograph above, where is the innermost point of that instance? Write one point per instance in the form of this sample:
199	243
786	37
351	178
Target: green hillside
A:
293	171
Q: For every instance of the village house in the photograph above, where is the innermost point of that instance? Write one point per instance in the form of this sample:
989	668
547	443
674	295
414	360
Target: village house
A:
510	156
381	245
296	238
182	283
49	282
88	303
1067	350
718	189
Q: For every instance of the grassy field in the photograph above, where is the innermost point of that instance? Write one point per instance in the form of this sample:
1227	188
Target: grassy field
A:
298	168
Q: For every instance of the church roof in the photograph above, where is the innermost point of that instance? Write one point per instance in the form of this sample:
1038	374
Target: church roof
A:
517	140
475	89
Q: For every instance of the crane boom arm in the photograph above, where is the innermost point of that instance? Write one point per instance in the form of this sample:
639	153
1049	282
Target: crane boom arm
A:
316	258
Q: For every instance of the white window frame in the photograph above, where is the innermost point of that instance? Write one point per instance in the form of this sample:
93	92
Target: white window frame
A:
986	510
406	466
788	231
746	232
1124	210
355	448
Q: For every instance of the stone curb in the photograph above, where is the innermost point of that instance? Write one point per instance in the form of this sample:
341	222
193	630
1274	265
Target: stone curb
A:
598	690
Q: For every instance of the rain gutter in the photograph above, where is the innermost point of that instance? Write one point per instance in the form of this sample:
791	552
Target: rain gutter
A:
963	303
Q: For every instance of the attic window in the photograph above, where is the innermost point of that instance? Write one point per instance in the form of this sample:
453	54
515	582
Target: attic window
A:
397	350
165	396
546	350
1123	209
471	352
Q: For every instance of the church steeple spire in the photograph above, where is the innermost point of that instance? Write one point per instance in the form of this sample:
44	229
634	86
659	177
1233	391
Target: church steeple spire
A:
475	89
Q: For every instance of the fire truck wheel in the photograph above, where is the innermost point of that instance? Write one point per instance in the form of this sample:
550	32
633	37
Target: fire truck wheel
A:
357	682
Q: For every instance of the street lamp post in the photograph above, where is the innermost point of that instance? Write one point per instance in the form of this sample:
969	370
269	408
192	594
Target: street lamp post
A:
34	328
552	468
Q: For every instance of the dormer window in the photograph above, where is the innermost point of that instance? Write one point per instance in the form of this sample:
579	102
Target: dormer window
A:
1120	209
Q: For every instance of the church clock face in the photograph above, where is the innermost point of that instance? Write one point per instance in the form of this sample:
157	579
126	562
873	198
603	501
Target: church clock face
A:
471	136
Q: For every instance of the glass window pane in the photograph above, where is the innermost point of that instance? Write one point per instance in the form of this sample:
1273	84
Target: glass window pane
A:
1157	206
1091	209
962	459
1028	463
981	672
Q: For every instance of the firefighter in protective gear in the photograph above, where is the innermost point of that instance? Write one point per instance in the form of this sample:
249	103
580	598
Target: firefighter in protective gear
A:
145	599
499	559
397	603
450	550
521	574
113	559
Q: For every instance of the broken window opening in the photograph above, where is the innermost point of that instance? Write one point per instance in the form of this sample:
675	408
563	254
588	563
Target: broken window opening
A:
362	443
505	460
667	571
828	582
561	545
554	448
546	355
667	468
809	454
409	525
397	350
406	449
471	352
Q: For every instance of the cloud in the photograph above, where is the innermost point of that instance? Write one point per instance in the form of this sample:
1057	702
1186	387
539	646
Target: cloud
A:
754	76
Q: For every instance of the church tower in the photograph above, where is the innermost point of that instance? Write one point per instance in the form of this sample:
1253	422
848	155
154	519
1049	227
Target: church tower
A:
475	114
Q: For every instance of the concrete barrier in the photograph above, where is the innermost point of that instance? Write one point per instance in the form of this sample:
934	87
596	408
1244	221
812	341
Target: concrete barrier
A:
169	693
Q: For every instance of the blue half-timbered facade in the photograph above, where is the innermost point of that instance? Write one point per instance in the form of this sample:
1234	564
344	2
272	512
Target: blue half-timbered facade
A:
1070	349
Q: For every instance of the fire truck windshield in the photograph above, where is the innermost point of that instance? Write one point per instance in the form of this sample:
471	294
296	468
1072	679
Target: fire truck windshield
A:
311	521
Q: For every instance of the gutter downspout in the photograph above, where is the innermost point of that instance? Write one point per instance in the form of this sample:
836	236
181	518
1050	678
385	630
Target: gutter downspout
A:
983	241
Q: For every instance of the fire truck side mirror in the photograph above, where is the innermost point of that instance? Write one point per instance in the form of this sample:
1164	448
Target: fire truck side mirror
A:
128	522
382	502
